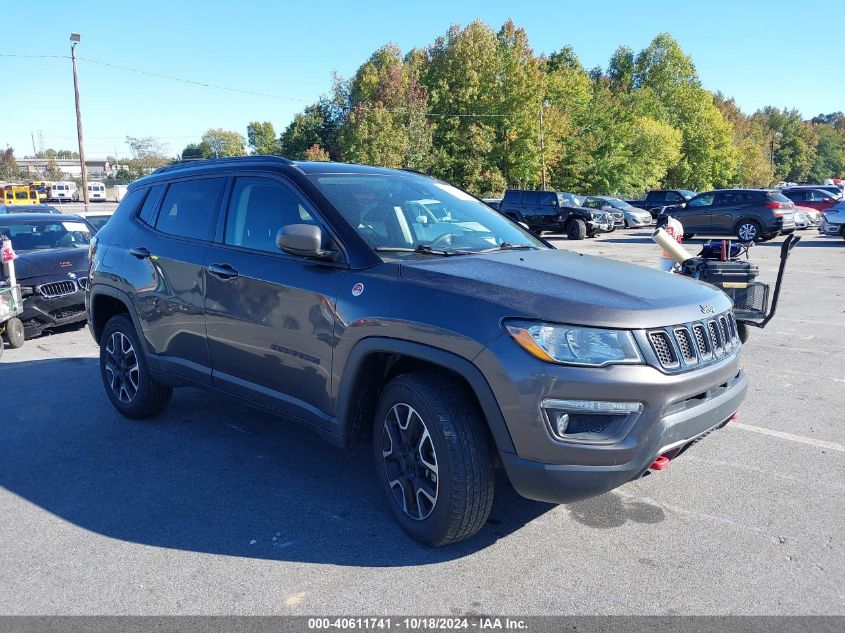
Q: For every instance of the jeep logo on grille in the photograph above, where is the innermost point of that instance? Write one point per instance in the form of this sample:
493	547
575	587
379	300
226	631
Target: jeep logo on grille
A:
706	308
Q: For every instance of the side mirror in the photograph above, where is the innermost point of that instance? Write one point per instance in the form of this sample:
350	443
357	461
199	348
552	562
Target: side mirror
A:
305	240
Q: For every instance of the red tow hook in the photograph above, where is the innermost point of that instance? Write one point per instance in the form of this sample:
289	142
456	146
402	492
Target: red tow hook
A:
734	417
661	463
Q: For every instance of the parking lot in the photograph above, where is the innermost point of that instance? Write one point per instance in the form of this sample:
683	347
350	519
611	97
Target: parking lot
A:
217	509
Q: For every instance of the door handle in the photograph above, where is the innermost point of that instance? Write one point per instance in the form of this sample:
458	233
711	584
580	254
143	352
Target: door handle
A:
141	252
222	271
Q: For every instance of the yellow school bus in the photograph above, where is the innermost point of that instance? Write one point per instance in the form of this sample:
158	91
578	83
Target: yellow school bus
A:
40	187
20	194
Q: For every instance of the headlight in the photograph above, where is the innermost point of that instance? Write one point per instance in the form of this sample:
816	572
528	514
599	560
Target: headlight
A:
570	345
26	291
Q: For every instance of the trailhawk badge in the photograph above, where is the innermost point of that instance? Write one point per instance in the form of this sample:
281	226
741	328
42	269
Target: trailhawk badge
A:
357	289
706	308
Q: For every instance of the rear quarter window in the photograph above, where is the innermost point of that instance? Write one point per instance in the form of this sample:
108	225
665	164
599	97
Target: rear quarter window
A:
777	197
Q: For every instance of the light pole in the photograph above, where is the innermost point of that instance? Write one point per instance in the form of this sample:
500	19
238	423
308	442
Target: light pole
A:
74	37
543	106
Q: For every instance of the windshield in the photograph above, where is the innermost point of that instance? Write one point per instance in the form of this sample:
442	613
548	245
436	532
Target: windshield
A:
409	212
40	235
686	193
616	203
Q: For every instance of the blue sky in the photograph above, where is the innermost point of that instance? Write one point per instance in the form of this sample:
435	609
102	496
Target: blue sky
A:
751	50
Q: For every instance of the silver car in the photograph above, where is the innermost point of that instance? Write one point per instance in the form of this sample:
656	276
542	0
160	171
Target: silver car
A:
833	220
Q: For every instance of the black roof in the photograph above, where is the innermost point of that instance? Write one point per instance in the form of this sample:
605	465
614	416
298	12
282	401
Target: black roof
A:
306	167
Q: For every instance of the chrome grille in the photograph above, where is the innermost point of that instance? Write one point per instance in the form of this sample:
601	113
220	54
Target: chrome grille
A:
705	351
688	345
663	348
83	283
684	340
56	289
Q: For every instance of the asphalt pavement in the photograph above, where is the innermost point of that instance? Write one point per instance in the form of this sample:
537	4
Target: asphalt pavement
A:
214	508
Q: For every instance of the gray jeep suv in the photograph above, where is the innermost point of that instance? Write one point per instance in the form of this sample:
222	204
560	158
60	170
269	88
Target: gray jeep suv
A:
386	307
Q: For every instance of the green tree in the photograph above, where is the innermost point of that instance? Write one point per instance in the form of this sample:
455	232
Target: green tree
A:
9	169
192	151
751	140
316	153
830	151
317	124
218	143
53	172
262	137
793	140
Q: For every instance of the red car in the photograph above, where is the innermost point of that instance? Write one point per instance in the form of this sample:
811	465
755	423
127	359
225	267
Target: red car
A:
818	199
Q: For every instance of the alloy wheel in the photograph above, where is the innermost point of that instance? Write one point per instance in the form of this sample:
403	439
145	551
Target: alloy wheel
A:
410	461
747	232
122	369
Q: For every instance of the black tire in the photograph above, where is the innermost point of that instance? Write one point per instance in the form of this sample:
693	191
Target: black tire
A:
768	237
450	429
748	231
689	236
742	330
138	398
15	333
576	229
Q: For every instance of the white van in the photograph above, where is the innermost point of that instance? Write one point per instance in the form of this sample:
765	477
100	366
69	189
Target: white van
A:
96	192
61	191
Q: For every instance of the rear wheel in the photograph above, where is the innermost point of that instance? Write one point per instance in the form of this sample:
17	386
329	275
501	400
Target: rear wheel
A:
15	333
126	376
748	231
433	458
576	230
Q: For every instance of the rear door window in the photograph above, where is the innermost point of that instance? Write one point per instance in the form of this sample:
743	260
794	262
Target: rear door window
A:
190	208
657	196
148	211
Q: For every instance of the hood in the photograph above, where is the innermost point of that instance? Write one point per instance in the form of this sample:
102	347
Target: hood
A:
53	263
566	287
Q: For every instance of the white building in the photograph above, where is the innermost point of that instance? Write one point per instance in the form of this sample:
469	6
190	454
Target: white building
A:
37	167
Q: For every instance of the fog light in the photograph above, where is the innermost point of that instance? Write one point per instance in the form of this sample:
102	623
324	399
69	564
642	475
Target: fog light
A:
562	423
589	420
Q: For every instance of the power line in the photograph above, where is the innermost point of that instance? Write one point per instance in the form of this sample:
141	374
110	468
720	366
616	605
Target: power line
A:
259	94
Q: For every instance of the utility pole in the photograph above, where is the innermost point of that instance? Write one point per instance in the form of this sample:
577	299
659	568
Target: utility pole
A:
74	37
34	152
543	106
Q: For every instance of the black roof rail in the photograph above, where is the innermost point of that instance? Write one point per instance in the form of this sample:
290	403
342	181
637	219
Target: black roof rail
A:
415	171
190	162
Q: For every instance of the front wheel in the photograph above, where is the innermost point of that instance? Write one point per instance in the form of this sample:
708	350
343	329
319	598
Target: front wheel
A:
126	376
15	333
433	457
576	230
748	231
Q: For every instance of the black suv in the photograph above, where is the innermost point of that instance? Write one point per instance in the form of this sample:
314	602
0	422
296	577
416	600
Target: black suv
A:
389	308
551	211
750	214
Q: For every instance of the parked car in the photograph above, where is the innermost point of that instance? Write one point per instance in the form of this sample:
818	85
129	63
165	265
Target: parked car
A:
546	211
27	208
832	189
307	289
614	206
97	219
814	216
51	267
813	198
96	192
833	221
801	220
658	199
750	214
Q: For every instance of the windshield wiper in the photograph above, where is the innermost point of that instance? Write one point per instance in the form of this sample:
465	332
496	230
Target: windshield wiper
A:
422	249
507	246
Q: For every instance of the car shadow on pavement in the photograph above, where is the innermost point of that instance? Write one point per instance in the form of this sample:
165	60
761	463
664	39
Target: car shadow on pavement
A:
209	475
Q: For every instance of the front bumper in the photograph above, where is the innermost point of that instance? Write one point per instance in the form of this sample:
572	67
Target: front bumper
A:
40	313
829	228
676	411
